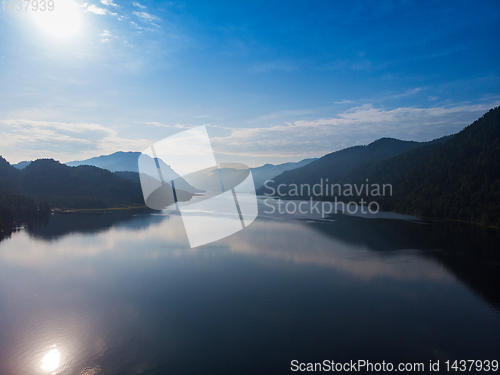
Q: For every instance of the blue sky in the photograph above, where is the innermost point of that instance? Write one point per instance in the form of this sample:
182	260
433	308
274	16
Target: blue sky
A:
273	81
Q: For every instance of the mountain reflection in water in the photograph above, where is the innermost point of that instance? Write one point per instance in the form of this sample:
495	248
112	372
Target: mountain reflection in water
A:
122	293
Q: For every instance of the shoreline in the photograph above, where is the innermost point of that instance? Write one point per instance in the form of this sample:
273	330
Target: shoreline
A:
97	210
395	212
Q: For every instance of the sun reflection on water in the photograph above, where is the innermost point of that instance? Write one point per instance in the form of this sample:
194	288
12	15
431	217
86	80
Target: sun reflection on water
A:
51	360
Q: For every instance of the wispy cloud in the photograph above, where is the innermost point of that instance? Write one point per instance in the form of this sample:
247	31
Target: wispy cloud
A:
101	11
135	24
182	126
96	10
108	3
160	125
408	93
146	16
105	36
63	141
358	125
286	114
139	5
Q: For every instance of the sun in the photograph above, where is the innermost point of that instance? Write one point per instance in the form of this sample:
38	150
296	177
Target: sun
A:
63	21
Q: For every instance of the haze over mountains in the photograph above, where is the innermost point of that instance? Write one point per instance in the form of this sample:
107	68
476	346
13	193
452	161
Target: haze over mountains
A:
455	177
336	165
268	171
127	162
71	187
46	183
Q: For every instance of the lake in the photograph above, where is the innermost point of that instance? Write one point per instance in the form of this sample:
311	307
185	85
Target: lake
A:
123	293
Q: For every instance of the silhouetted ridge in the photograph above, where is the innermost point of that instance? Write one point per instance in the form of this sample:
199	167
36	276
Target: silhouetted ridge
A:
51	183
336	165
457	180
456	177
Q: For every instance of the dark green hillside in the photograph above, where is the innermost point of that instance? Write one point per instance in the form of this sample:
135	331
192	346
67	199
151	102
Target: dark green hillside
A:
15	206
458	180
336	165
45	183
77	187
132	176
8	175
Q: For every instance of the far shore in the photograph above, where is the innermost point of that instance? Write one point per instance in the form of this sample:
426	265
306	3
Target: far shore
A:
96	210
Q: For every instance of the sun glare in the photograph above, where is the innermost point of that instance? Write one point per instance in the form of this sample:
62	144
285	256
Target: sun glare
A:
62	22
51	360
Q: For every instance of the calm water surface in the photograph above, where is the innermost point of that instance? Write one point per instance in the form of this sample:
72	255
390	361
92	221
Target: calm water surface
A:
124	294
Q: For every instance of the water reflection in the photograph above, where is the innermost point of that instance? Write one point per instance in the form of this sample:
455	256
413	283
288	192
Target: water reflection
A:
124	294
51	360
93	223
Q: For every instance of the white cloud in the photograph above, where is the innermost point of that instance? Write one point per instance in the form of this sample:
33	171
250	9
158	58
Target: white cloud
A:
359	125
160	125
136	25
139	5
105	36
286	113
108	3
96	10
29	139
145	16
408	93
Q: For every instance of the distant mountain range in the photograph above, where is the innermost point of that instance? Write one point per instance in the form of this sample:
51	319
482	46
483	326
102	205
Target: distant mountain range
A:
455	177
22	164
268	171
73	187
336	165
58	185
457	180
128	162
